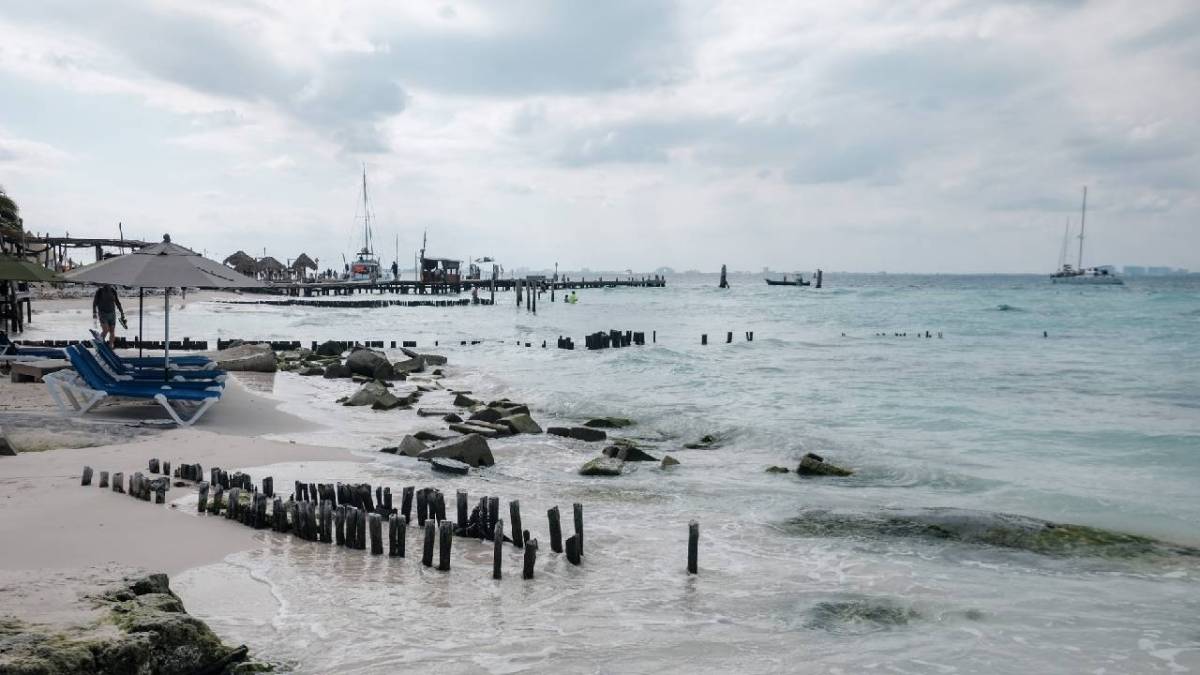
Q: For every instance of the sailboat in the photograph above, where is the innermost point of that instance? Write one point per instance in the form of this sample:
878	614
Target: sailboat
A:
1095	276
365	268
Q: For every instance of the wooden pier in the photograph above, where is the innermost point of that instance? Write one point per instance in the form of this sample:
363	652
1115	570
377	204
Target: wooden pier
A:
412	287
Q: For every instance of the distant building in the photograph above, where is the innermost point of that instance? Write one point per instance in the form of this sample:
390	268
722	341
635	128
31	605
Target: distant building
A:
1134	270
1158	271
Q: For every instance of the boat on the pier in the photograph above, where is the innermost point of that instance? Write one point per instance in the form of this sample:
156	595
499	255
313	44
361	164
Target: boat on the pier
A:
365	267
1078	274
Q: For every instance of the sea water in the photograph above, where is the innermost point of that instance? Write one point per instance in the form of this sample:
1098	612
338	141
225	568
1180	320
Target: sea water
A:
1071	404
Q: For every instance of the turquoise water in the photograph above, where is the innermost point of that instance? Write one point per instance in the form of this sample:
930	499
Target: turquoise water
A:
1097	424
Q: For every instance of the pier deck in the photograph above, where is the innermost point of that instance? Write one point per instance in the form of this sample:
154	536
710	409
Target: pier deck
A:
406	287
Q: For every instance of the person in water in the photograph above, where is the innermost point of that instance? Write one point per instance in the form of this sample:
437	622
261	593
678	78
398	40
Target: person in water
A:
573	298
105	305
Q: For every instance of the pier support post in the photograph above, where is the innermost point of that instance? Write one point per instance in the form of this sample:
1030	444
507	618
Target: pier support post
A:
445	538
87	476
693	546
203	503
555	530
578	527
103	479
376	534
497	549
514	512
461	498
530	559
427	551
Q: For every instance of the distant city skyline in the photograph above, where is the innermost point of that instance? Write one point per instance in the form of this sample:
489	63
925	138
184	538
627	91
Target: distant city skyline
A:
901	136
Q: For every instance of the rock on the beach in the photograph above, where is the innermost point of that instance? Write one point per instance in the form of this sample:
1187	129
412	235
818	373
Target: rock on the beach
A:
6	448
608	423
521	424
815	465
387	401
464	401
409	366
365	361
337	370
472	449
706	441
602	466
329	348
310	371
433	359
411	446
777	469
451	418
580	433
367	394
250	358
629	453
487	415
668	461
451	466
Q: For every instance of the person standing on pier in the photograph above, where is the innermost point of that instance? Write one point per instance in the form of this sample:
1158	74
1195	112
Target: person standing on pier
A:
105	305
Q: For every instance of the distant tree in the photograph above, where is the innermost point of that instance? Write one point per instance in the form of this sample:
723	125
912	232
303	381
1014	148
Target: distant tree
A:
10	213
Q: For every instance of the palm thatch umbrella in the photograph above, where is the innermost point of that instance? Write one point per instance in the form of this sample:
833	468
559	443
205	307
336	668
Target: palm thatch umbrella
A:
301	263
271	267
19	269
242	263
166	266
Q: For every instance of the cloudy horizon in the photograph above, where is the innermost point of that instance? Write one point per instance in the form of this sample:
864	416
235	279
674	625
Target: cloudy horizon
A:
950	136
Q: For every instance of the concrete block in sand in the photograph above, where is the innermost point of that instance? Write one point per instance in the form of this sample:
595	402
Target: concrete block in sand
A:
487	415
629	453
472	449
250	358
464	401
580	433
521	424
608	423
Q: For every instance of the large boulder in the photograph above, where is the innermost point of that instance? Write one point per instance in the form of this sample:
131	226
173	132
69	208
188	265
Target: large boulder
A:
521	424
310	371
252	358
706	441
409	366
472	449
433	359
668	461
815	465
365	361
337	370
629	453
608	423
464	401
487	415
580	433
329	348
388	401
367	394
409	446
602	466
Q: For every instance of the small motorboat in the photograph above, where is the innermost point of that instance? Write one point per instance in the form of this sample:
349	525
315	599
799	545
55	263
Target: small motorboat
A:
798	281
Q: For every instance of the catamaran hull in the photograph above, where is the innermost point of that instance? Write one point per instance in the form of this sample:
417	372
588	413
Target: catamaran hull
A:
1088	280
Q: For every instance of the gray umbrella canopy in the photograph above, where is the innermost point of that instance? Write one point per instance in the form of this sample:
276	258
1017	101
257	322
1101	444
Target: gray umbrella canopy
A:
162	265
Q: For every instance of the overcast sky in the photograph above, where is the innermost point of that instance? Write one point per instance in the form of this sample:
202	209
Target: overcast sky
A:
933	136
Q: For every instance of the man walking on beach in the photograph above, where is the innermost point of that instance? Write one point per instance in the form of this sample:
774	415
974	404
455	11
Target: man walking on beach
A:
104	307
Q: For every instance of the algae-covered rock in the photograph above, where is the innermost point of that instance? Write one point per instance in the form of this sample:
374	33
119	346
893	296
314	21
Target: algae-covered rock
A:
1001	530
667	461
602	466
815	465
860	615
608	423
777	469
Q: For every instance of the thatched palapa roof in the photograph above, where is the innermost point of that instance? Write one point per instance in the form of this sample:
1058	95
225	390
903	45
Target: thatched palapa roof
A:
270	265
303	262
243	263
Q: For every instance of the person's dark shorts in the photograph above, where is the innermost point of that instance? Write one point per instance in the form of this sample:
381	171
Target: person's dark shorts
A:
108	319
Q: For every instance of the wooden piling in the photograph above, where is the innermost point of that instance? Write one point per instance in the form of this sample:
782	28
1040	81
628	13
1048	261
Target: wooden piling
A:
439	506
268	486
103	479
493	512
461	498
573	549
578	527
729	337
393	529
152	465
514	512
406	500
376	534
704	339
530	559
360	530
214	508
484	523
339	525
422	506
427	551
118	482
202	504
555	530
166	469
497	548
160	494
693	546
327	522
445	537
401	533
87	476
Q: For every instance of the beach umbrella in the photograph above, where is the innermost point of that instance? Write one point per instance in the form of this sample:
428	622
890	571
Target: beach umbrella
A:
18	269
164	265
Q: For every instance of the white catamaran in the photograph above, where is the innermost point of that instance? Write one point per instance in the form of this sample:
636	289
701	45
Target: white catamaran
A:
1066	274
366	266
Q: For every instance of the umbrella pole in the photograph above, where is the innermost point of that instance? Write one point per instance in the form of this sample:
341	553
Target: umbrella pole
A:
141	299
167	336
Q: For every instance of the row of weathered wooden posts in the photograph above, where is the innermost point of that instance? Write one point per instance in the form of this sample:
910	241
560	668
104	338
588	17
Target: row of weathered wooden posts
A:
348	516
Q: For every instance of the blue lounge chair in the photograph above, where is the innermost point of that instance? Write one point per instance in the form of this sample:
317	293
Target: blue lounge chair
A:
114	365
80	390
190	361
11	351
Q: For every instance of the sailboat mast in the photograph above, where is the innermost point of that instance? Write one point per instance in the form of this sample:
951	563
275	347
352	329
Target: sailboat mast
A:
366	214
1082	223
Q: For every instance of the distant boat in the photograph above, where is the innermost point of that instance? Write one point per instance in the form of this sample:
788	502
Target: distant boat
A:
1092	276
798	281
365	268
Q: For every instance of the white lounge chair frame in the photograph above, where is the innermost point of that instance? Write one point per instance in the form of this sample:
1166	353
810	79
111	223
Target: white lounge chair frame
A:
74	398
